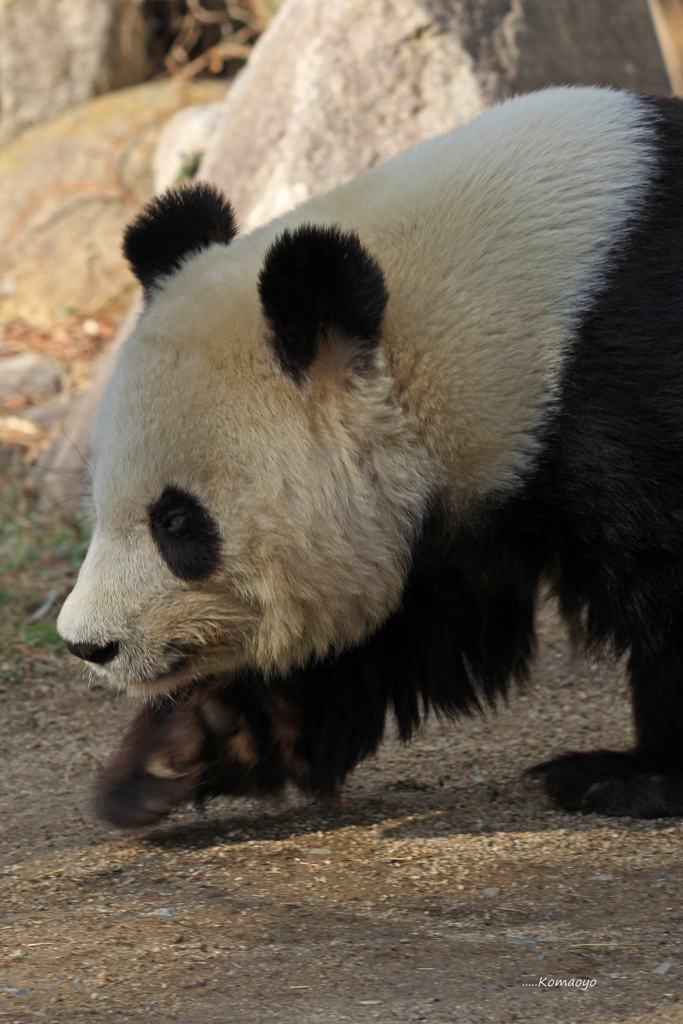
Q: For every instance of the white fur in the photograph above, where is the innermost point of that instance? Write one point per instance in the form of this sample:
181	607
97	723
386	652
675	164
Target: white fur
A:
492	240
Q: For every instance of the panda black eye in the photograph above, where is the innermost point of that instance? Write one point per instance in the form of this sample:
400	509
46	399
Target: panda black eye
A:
175	521
185	533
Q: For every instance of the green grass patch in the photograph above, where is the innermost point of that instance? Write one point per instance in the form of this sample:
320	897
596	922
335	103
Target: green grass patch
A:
41	548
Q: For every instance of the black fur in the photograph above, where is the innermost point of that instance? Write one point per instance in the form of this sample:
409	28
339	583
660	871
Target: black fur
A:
174	225
225	774
190	737
614	783
316	278
126	793
186	535
607	499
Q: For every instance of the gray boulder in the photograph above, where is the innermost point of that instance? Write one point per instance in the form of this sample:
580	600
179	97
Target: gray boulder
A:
57	53
29	374
183	143
68	189
336	86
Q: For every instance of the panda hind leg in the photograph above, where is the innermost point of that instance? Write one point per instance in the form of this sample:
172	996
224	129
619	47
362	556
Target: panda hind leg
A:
648	781
611	782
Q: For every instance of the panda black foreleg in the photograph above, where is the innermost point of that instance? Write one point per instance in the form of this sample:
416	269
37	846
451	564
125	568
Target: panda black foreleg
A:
155	768
215	738
229	736
644	783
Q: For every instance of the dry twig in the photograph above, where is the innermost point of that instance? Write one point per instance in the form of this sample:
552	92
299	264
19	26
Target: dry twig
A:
240	25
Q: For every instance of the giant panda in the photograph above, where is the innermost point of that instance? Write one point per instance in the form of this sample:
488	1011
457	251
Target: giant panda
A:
340	455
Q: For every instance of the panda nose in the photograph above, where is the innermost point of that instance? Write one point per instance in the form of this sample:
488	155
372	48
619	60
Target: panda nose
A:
93	652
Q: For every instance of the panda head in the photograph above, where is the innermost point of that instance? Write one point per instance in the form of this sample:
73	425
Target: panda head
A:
256	483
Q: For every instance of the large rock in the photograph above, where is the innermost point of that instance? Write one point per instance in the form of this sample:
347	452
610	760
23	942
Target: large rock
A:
184	142
62	457
336	86
68	189
585	42
28	374
56	53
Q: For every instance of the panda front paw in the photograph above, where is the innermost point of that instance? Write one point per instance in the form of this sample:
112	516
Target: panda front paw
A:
609	782
214	740
156	768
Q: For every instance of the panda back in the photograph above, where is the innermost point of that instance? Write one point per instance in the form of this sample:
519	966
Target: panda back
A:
495	240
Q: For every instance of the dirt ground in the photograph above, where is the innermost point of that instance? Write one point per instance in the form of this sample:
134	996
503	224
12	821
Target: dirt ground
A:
442	888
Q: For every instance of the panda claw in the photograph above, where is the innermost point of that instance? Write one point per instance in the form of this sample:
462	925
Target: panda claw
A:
163	771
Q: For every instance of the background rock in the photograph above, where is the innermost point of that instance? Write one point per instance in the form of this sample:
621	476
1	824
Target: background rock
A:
572	42
29	374
62	461
183	143
667	17
56	53
69	188
335	87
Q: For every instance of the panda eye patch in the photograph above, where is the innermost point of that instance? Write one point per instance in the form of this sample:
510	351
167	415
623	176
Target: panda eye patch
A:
185	533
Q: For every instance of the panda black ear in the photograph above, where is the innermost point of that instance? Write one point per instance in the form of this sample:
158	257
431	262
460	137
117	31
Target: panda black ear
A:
174	225
316	278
